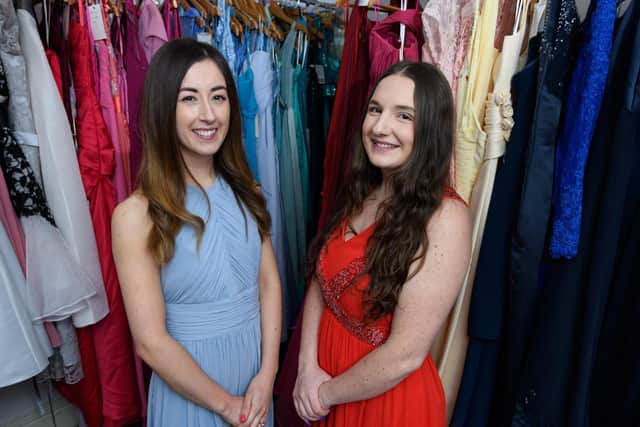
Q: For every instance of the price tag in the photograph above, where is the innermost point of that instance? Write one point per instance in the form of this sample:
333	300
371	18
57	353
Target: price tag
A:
97	24
205	38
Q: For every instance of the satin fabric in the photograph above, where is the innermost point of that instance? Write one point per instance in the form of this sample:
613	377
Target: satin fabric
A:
351	96
152	33
385	45
85	394
135	63
96	157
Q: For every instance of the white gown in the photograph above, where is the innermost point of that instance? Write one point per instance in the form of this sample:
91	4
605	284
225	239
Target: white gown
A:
25	346
60	172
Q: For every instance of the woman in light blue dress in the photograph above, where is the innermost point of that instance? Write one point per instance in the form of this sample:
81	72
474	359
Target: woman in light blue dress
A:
193	252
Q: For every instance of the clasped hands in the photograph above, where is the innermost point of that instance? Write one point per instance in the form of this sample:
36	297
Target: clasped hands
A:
252	409
308	399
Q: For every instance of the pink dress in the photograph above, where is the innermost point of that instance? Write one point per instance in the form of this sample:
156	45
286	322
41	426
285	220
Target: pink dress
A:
152	32
385	44
447	29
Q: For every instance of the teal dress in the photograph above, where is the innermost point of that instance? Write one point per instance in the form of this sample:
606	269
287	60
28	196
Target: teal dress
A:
212	305
249	110
293	162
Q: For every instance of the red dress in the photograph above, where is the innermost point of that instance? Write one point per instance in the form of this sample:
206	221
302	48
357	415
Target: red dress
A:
351	97
344	339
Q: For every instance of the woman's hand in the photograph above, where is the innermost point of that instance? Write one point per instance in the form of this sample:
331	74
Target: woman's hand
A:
257	401
232	410
305	393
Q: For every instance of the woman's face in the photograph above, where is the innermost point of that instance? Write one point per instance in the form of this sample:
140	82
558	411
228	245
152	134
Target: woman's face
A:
388	127
202	111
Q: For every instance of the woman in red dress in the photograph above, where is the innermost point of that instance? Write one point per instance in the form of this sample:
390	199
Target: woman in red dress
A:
387	266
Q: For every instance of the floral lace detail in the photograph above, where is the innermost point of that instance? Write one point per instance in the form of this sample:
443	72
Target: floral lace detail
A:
333	289
503	100
20	117
9	42
26	194
447	29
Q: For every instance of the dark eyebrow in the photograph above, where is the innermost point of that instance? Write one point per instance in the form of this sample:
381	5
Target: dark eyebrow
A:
405	107
397	107
213	89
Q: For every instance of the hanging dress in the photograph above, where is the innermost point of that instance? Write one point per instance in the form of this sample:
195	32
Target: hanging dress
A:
60	171
108	93
269	170
291	163
385	44
20	117
171	18
212	304
498	125
447	28
25	346
351	96
96	157
224	39
152	33
248	109
135	63
471	139
584	98
56	287
344	339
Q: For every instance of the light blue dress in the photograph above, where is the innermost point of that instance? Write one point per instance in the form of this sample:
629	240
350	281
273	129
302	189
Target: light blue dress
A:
212	305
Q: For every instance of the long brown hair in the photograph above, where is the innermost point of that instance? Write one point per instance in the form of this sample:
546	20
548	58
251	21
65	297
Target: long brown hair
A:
400	236
162	178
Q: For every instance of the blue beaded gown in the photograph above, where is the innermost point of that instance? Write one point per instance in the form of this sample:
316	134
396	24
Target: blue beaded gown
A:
212	304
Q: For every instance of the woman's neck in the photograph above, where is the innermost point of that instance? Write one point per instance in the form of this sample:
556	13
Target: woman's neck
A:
383	191
202	172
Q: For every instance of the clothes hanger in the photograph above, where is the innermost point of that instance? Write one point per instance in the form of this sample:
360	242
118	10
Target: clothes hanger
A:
374	4
305	10
276	10
113	8
403	30
295	10
265	23
211	8
246	14
271	24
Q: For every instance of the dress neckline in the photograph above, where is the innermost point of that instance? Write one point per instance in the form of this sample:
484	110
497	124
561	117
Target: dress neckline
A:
343	231
206	189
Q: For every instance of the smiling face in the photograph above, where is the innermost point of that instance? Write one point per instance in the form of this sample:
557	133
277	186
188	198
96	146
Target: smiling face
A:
202	112
388	129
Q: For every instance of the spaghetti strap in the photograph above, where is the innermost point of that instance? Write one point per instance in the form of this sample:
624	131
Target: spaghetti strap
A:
450	193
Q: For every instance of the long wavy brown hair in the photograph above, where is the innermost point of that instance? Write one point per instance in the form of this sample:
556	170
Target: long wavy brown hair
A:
162	177
400	236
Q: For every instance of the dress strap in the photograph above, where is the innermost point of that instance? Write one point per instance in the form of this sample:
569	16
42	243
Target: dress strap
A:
450	193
